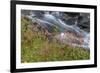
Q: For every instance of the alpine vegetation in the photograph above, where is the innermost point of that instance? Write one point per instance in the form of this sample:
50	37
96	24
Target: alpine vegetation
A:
54	36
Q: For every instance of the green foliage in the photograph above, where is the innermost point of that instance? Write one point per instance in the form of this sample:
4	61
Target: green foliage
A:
56	29
36	48
24	24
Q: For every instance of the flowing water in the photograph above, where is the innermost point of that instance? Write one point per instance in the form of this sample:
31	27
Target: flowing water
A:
55	19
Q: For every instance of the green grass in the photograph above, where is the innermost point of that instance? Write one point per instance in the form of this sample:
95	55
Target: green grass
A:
35	48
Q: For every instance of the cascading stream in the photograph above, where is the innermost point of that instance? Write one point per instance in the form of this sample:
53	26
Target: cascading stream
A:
68	33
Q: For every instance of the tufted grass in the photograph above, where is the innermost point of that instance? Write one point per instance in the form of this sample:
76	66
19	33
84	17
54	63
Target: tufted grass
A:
36	48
